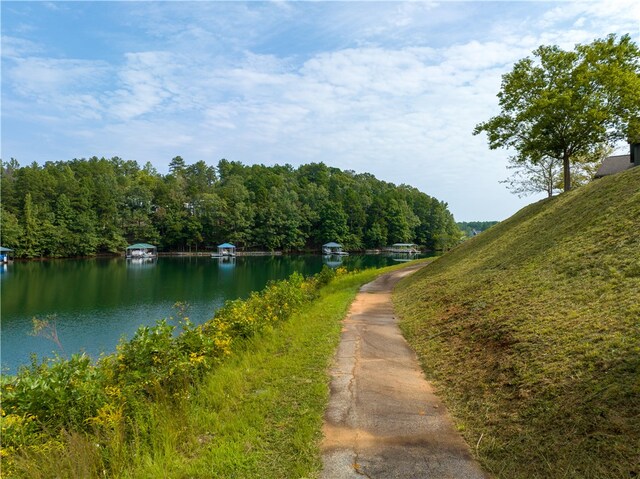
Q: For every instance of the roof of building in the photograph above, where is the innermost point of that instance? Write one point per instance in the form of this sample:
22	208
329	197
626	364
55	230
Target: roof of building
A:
332	245
141	246
403	244
4	250
226	245
614	164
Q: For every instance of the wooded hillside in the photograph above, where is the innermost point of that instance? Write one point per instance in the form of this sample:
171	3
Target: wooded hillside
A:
87	206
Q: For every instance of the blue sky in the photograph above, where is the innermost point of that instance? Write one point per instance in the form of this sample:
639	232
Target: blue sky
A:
389	88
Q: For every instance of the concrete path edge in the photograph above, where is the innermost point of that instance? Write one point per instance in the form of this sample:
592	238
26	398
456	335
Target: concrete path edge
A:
383	420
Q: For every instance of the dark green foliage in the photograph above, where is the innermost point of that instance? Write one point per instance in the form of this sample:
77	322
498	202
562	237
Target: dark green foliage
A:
86	207
66	392
567	105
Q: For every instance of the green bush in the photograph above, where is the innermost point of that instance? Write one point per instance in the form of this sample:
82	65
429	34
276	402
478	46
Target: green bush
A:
47	401
57	393
244	318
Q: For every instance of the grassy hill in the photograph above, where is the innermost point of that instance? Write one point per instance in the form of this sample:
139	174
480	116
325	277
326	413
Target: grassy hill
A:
531	333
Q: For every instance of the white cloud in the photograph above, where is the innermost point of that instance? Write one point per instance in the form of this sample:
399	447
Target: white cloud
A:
612	14
14	47
396	97
47	76
56	90
144	84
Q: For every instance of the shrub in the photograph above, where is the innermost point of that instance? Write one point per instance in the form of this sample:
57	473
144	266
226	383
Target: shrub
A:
57	393
46	402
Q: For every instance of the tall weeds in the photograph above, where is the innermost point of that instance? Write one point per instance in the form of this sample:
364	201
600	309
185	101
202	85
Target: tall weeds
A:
76	418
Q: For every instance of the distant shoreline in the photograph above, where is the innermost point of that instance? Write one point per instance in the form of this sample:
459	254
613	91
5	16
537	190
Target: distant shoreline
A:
208	253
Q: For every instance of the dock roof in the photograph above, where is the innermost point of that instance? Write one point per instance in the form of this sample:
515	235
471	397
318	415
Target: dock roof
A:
226	245
332	245
141	246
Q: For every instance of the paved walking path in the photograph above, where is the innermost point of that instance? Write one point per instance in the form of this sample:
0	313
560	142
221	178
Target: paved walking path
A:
383	420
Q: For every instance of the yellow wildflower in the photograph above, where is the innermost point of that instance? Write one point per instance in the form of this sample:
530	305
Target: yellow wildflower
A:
195	358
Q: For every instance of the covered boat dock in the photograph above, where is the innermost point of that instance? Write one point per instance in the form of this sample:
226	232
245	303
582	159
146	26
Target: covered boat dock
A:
225	249
141	250
333	249
5	254
409	248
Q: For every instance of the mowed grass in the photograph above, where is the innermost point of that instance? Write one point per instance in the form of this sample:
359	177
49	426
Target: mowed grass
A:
260	414
531	333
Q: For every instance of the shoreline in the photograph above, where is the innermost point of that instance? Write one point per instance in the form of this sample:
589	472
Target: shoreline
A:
209	253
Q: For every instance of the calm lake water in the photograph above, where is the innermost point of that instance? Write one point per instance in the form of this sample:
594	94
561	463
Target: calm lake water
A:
98	301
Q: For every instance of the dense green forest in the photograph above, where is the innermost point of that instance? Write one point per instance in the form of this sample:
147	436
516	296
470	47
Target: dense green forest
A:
85	207
472	228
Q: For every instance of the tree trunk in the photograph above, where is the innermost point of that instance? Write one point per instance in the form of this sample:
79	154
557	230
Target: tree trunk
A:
550	179
567	172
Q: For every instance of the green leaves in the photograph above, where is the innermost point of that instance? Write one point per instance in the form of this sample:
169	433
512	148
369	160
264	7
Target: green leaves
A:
96	205
157	368
563	104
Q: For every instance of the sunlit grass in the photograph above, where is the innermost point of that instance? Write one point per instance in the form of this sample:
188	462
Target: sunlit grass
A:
257	413
260	414
531	331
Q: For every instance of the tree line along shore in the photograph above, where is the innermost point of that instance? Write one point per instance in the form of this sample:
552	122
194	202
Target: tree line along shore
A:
85	207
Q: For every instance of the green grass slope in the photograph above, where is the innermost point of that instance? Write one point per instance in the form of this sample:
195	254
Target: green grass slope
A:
531	333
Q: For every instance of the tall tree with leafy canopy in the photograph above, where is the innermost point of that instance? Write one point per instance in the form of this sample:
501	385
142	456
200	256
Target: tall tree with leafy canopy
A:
87	206
30	246
236	212
566	104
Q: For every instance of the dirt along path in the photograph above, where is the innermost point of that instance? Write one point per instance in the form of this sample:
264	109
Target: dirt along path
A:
383	420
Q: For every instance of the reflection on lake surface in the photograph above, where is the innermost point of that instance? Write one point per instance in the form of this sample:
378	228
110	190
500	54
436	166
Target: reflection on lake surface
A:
97	301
